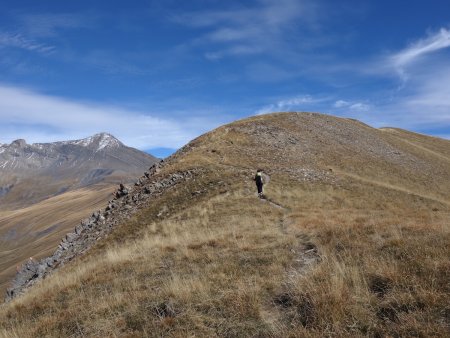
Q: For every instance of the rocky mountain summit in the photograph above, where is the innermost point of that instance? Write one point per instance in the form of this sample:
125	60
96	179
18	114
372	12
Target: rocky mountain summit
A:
58	157
64	166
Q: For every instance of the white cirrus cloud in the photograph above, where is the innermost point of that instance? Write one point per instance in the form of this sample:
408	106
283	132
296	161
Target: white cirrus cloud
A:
427	104
352	106
405	62
423	100
42	25
295	102
245	29
341	103
17	40
432	43
43	118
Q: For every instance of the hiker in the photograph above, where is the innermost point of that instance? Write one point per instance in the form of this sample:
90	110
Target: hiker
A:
259	182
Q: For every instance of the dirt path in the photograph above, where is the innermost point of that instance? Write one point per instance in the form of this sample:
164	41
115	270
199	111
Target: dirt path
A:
306	256
414	144
393	187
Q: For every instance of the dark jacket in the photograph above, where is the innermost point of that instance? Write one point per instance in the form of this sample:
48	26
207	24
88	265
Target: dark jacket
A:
258	179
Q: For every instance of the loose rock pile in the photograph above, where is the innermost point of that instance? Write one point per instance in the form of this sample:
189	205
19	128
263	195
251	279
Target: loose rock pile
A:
126	201
311	175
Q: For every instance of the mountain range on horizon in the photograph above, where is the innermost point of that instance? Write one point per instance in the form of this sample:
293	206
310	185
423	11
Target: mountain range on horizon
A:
32	172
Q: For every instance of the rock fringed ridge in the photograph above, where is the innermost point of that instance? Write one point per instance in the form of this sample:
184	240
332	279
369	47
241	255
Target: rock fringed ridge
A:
126	201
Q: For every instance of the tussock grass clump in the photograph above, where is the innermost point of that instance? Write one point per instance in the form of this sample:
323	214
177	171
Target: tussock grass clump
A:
375	277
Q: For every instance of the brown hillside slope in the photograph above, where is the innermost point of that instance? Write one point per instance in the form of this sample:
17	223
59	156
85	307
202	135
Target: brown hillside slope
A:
36	230
353	240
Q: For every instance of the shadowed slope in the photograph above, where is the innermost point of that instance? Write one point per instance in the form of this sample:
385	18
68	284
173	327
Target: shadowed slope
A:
34	231
353	240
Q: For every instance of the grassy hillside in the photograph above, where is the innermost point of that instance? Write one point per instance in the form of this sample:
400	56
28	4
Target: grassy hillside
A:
353	240
36	230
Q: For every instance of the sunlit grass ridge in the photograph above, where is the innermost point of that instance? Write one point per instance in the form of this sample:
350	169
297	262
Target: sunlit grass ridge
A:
351	242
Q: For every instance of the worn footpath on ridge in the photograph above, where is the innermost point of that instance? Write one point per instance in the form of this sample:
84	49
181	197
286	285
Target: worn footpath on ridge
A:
353	240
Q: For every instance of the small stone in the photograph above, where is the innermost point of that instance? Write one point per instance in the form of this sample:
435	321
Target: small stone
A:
70	237
79	229
42	268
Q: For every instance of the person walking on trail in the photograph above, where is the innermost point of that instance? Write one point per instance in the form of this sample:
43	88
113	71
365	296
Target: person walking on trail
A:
259	182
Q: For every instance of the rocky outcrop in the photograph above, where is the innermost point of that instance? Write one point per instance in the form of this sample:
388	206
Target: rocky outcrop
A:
126	201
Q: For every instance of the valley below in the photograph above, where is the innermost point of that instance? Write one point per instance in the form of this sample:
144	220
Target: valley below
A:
36	230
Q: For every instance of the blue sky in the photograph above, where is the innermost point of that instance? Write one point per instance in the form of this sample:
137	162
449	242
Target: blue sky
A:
159	73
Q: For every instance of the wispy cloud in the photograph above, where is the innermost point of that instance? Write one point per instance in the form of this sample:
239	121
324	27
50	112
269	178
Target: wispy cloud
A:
325	104
341	104
17	40
248	30
41	33
427	105
267	13
297	102
44	25
403	61
42	118
432	43
423	100
352	106
33	31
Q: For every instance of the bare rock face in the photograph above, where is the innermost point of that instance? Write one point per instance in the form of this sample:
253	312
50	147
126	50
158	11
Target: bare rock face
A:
127	201
20	143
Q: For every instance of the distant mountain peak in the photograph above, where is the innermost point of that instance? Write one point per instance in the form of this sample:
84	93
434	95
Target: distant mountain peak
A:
104	135
98	141
20	143
57	155
107	141
72	163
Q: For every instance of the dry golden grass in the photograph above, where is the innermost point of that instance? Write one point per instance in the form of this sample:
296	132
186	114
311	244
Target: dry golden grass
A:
35	231
182	269
364	257
223	267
